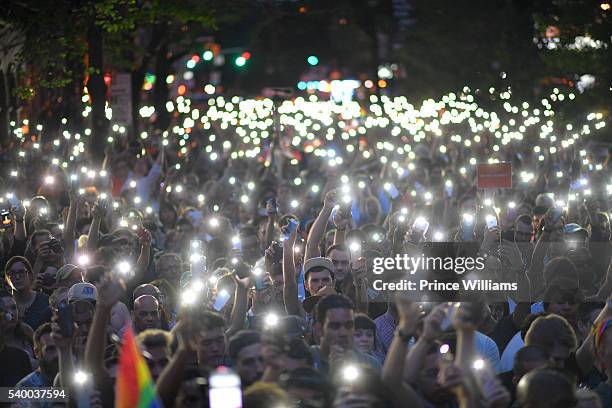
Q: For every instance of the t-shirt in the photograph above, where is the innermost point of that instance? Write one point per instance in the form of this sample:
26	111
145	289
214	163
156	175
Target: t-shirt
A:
507	357
355	356
39	311
487	348
15	366
34	380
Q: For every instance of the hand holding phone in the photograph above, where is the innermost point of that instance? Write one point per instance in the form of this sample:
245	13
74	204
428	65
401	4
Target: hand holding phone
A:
6	221
65	321
290	228
271	206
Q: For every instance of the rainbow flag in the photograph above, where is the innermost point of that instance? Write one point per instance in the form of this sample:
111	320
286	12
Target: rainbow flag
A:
134	387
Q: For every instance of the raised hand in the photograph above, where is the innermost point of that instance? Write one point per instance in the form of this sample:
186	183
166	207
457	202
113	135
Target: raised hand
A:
342	218
18	211
468	316
61	342
110	290
331	198
432	325
99	209
408	312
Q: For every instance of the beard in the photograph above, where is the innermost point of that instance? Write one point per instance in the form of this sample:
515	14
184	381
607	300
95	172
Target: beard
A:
49	368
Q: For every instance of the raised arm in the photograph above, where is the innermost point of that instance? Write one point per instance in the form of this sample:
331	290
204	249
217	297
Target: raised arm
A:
290	288
169	381
64	348
110	289
468	395
142	264
342	221
239	309
70	226
98	212
317	231
358	269
19	211
272	216
395	363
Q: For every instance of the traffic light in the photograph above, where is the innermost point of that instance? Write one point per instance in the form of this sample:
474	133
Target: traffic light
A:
313	60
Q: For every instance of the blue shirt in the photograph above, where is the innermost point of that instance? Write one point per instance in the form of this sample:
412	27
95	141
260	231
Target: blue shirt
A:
34	380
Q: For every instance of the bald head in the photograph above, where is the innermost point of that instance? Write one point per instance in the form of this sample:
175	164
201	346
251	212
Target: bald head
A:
146	289
534	390
146	313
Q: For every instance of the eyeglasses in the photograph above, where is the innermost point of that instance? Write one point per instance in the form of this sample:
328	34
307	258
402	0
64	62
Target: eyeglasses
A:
17	273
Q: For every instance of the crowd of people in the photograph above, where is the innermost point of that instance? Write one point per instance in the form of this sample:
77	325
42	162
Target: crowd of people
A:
240	244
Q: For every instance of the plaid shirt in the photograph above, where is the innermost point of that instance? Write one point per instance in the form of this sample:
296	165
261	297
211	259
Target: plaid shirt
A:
385	330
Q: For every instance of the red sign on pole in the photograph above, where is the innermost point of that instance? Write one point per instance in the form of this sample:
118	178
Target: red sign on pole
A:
494	175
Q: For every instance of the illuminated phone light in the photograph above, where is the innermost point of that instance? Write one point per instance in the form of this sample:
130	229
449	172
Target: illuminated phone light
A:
49	180
137	200
468	218
132	184
350	373
294	204
251	185
197	285
355	246
14	173
83	260
244	199
438	236
511	204
587	192
445	348
124	268
188	297
214	222
271	320
81	377
232	180
478	364
149	210
361	185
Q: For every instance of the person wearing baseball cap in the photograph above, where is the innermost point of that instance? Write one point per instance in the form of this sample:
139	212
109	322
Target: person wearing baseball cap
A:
68	275
319	280
82	299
